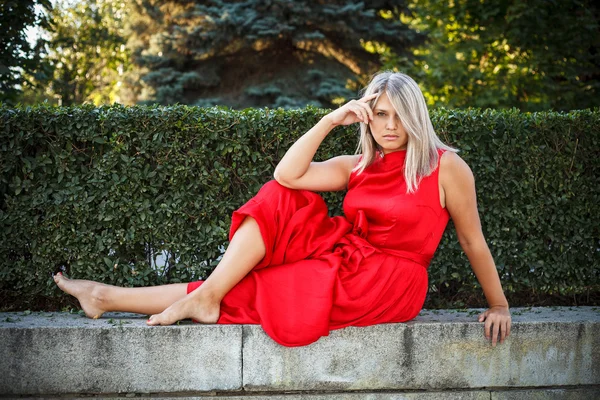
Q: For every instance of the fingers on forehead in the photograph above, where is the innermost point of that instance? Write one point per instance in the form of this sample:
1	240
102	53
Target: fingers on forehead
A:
370	97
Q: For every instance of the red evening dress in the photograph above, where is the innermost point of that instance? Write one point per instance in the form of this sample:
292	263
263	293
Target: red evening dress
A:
322	273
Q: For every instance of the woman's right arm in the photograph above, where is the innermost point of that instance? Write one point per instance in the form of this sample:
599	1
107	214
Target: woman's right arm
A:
296	170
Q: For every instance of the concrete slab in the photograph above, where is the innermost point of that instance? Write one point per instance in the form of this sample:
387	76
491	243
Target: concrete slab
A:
48	353
470	395
438	350
548	394
533	394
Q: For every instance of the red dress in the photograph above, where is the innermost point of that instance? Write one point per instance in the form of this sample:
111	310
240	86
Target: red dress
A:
322	273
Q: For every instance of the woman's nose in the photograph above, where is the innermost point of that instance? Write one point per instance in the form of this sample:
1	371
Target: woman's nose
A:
391	124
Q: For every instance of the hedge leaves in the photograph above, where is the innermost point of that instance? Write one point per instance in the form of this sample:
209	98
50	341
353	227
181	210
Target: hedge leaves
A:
143	195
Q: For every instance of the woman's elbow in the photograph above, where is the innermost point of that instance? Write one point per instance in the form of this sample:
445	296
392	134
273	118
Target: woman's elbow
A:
281	179
472	244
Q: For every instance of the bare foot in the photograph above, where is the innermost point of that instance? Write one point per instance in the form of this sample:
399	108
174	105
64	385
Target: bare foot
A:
195	305
85	291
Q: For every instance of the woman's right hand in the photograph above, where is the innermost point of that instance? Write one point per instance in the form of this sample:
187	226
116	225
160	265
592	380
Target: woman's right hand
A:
353	111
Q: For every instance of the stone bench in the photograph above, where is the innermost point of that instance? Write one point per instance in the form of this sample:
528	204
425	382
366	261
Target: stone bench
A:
552	352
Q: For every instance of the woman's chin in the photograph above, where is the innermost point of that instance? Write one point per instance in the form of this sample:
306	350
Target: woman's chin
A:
390	149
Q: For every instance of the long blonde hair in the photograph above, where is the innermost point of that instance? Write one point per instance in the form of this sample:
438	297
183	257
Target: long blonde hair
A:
409	104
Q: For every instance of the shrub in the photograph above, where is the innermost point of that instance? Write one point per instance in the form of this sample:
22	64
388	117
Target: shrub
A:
143	195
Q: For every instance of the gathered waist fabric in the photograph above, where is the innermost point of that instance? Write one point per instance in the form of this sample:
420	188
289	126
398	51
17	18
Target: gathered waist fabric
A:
358	237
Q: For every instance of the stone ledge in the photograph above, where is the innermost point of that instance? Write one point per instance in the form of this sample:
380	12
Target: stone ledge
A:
585	393
58	354
592	393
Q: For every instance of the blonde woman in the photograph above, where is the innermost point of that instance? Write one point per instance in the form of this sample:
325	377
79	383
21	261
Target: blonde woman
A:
300	273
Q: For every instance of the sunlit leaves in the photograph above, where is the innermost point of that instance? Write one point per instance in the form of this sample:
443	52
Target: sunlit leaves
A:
86	51
534	55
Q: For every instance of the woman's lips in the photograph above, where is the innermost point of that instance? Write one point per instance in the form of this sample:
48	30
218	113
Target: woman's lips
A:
390	137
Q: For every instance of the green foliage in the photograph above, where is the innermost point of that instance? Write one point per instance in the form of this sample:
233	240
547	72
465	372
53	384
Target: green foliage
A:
538	181
236	50
534	55
101	192
87	53
18	56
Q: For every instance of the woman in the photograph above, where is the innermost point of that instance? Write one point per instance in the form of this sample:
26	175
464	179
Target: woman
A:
300	273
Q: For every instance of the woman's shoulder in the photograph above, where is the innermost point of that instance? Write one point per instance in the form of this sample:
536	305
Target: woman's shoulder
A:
349	160
448	157
453	167
346	163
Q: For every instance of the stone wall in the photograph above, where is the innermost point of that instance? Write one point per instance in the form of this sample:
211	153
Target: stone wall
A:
552	352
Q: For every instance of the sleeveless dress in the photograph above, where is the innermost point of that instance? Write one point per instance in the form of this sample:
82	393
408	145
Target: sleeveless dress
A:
322	273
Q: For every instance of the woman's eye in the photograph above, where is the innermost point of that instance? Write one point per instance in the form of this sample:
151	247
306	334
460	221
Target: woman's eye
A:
381	114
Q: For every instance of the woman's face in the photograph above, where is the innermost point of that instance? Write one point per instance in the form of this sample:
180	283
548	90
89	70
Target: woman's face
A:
386	126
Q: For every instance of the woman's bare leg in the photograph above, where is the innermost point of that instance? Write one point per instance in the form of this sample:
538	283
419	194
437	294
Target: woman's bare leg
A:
171	302
97	298
245	250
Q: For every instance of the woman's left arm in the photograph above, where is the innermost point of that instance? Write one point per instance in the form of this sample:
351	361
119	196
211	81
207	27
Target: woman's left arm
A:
458	186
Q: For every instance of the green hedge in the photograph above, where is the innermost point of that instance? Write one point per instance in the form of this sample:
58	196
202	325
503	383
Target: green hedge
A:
101	192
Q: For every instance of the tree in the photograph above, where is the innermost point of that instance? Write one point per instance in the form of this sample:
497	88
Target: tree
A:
261	52
86	53
19	57
534	54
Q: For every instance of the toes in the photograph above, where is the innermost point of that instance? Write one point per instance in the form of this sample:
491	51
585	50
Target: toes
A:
164	318
154	320
58	277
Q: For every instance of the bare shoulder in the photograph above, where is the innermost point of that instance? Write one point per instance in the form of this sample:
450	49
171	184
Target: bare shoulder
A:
347	162
453	169
351	158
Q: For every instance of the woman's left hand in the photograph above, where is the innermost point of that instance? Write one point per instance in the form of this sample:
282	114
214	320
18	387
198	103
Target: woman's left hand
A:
497	319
